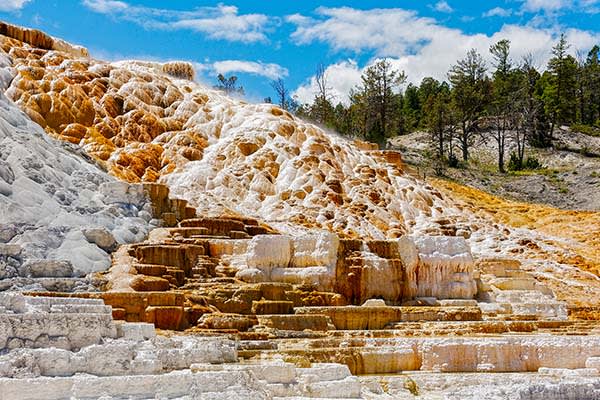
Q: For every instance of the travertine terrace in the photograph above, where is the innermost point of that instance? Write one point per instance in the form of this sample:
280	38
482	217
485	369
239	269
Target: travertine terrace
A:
216	249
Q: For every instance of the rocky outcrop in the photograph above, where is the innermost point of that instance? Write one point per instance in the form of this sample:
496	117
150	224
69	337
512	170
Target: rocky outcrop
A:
60	215
293	259
39	39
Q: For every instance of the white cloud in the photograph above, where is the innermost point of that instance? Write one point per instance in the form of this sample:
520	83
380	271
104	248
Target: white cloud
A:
268	70
443	6
220	22
419	46
498	12
386	31
546	5
341	78
554	7
12	5
105	6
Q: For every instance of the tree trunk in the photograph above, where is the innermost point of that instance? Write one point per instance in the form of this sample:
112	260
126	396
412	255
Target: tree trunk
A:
520	146
501	152
441	144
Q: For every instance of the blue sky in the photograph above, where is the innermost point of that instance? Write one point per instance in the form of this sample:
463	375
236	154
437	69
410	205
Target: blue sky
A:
261	40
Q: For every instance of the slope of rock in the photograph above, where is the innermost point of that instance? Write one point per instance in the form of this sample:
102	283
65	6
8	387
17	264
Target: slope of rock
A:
320	257
567	257
148	121
143	122
60	214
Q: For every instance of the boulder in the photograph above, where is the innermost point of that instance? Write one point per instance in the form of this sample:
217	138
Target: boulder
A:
46	269
101	237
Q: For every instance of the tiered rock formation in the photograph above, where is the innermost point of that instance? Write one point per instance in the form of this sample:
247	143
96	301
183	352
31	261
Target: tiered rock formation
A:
60	215
71	348
319	267
149	121
239	267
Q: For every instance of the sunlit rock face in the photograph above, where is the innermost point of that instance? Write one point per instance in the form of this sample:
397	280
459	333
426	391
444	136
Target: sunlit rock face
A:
445	268
148	121
307	260
105	107
60	215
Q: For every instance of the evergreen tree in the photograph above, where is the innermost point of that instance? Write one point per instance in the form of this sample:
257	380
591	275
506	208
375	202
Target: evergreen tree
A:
228	85
505	86
440	121
591	88
410	112
429	87
377	99
560	91
471	90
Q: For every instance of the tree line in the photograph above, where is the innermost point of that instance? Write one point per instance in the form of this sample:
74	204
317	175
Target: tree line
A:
508	100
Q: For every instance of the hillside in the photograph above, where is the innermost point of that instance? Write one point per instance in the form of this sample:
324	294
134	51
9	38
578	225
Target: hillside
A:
152	122
569	176
161	239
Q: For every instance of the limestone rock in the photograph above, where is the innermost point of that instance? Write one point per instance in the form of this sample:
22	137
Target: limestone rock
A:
46	268
266	252
445	268
53	196
101	237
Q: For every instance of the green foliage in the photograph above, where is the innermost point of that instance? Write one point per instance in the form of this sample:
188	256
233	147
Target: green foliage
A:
560	91
411	109
453	161
514	164
513	103
529	164
229	85
586	129
532	163
590	88
377	99
470	95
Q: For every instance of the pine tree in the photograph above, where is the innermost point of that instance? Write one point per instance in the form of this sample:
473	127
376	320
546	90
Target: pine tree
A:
376	97
471	89
440	121
410	110
229	85
560	92
502	106
591	88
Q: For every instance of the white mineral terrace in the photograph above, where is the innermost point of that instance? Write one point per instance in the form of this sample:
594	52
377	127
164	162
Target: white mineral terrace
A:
59	348
254	255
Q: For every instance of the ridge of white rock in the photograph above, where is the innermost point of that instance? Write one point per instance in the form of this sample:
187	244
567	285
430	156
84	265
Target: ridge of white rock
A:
60	214
76	350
